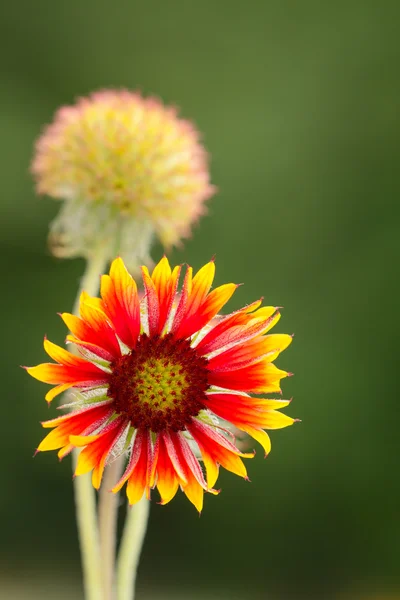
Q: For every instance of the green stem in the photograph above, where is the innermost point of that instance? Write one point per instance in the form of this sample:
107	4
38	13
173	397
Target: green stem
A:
108	516
131	548
85	499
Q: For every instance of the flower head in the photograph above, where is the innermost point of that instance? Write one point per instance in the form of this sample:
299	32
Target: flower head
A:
128	169
165	380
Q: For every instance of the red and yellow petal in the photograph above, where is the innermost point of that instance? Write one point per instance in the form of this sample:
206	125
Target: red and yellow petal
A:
233	323
62	356
90	347
252	351
59	389
260	378
197	307
160	291
211	466
166	283
167	479
194	484
183	300
75	368
251	415
189	475
51	373
188	459
253	411
77	423
95	317
217	450
82	332
212	304
121	302
67	377
200	286
138	470
259	435
191	486
174	457
97	449
151	298
243	423
137	482
239	327
194	491
192	305
152	467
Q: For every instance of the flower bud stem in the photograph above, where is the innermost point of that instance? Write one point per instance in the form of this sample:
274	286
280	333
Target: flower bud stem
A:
108	517
131	548
85	499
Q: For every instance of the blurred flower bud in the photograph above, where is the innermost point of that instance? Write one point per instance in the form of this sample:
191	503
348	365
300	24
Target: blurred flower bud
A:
128	170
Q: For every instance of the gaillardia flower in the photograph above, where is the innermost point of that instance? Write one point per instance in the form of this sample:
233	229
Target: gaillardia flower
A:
162	378
127	168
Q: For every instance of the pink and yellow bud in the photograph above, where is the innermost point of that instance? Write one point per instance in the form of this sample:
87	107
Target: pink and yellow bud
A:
128	170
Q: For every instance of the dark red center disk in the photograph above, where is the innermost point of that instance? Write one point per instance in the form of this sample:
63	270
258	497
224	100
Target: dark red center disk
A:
160	384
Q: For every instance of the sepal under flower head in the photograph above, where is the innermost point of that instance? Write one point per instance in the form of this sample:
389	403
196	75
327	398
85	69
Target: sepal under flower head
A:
165	380
128	169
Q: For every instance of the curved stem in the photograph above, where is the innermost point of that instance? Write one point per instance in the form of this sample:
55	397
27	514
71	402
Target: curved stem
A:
85	500
85	504
108	517
131	548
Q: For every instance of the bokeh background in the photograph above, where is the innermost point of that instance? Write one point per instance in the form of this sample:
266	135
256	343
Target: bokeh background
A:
299	106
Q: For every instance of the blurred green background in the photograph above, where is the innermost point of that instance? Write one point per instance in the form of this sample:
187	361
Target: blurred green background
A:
299	106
